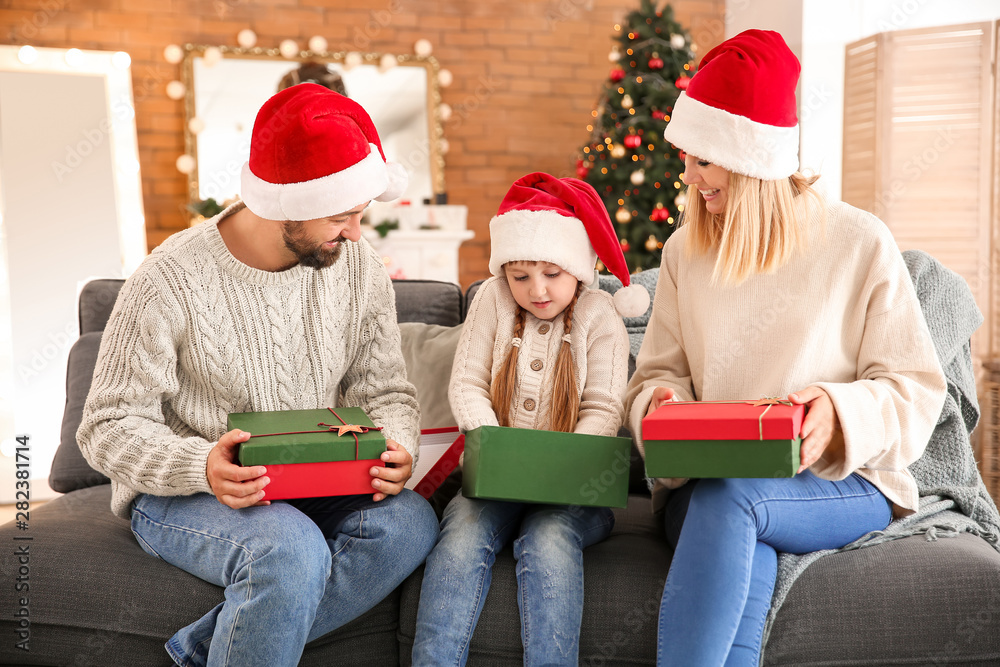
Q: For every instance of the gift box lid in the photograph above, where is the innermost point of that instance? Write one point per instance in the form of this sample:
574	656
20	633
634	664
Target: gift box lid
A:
534	466
306	436
723	420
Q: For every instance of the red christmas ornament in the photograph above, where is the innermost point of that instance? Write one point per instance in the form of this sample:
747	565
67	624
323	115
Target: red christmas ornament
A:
682	82
582	172
617	74
658	115
682	155
632	141
656	63
625	246
659	213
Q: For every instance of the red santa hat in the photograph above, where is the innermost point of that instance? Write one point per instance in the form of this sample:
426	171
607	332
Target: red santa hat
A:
562	221
739	109
315	153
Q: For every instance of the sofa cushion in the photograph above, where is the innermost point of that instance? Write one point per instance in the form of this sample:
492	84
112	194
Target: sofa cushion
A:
429	352
98	599
70	471
97	299
905	602
428	301
623	582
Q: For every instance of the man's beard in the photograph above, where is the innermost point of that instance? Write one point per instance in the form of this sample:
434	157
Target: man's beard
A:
309	253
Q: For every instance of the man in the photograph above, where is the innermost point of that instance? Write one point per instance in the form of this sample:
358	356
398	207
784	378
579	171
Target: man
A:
272	305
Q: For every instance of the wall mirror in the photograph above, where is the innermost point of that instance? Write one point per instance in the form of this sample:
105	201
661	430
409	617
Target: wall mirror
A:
226	86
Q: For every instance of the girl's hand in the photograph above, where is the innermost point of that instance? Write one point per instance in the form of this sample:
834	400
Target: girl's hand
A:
819	427
661	395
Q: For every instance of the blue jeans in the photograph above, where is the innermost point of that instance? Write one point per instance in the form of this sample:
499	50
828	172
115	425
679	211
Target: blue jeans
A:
721	578
290	574
549	553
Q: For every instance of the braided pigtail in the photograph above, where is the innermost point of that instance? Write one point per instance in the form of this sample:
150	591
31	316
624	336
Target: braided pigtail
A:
565	401
502	388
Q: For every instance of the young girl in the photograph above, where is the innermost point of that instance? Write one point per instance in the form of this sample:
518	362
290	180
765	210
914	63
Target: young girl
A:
539	350
768	289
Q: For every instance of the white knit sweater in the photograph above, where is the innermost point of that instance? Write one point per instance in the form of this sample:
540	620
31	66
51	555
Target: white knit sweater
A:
598	341
196	335
841	315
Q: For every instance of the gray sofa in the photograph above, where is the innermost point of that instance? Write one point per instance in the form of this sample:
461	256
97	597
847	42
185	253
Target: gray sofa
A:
97	599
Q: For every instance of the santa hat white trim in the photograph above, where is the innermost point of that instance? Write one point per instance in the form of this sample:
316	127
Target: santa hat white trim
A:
368	179
541	236
734	142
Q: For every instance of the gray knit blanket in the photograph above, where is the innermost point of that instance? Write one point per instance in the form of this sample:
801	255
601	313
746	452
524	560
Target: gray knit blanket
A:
953	498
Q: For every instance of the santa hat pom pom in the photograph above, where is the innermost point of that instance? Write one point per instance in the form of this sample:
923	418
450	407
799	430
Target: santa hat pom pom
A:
398	178
632	301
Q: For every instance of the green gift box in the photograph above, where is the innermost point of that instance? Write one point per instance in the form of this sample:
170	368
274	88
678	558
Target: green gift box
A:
525	465
306	436
723	439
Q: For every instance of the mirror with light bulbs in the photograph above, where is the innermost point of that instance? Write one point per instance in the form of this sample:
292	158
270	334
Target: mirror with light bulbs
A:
224	87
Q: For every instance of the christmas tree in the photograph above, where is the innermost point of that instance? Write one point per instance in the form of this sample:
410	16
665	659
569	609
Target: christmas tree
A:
627	161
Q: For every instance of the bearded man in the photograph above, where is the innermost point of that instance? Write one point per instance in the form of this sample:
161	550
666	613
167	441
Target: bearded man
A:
277	303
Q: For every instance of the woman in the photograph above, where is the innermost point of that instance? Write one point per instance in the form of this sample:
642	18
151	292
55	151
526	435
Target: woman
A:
768	289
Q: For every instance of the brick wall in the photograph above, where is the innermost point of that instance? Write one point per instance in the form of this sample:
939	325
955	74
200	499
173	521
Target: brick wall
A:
526	75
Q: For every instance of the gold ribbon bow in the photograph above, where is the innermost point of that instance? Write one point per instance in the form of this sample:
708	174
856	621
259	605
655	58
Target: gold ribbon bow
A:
769	401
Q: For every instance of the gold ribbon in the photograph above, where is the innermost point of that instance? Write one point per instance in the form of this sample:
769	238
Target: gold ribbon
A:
769	401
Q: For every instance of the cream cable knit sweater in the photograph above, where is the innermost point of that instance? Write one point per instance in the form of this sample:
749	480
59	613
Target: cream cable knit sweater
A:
196	334
842	315
600	349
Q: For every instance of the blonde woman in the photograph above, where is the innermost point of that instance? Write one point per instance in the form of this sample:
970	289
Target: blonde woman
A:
539	350
768	289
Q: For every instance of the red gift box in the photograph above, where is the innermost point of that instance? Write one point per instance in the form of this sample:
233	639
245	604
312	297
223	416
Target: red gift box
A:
723	420
723	439
440	450
324	478
324	461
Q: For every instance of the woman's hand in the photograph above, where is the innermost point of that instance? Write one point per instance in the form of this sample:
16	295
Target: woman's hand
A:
389	480
819	427
661	395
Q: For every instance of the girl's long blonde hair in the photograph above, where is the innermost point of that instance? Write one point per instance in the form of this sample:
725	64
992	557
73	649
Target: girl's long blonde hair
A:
565	406
759	230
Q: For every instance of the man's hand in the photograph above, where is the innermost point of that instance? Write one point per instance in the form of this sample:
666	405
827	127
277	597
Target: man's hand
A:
234	485
389	481
819	427
661	395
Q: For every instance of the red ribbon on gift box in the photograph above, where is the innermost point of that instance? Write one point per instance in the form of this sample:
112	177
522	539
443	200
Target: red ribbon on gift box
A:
769	401
341	429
